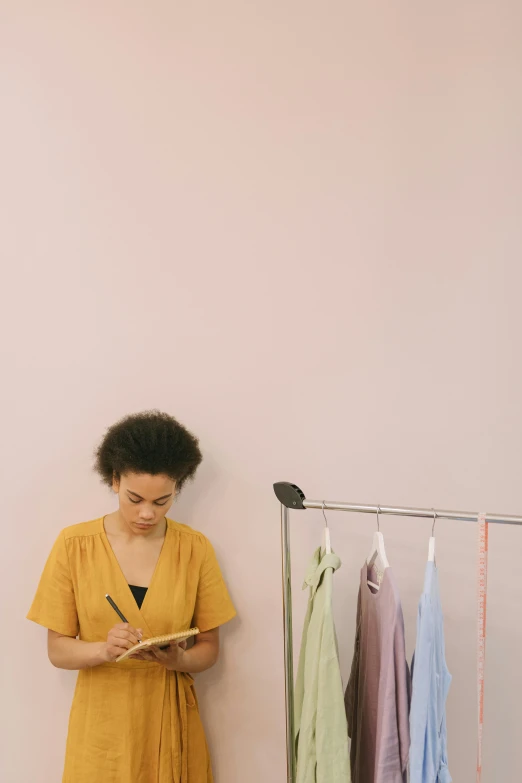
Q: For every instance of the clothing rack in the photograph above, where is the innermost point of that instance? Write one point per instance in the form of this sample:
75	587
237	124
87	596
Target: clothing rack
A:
293	498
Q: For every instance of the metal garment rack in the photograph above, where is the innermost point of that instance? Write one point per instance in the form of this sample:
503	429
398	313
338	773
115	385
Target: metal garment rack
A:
292	498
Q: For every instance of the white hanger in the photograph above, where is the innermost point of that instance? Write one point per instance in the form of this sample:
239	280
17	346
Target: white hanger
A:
431	545
326	536
377	554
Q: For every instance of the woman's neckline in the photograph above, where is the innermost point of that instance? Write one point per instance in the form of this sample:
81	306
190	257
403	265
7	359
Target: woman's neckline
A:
117	562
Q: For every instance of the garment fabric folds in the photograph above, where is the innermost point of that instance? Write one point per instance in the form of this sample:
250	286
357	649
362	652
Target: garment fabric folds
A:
132	722
431	681
320	721
378	693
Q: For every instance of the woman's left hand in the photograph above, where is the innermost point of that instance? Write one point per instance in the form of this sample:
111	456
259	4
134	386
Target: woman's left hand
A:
171	657
201	656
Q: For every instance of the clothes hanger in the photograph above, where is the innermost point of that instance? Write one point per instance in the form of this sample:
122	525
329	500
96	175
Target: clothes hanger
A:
377	556
327	544
431	545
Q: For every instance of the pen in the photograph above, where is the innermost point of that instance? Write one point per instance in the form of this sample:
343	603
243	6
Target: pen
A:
124	619
120	614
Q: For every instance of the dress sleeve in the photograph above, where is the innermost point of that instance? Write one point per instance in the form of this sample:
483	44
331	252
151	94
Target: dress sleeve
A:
213	604
331	731
402	693
420	742
54	605
351	696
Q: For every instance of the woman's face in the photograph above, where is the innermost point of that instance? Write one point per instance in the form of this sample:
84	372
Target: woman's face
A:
144	499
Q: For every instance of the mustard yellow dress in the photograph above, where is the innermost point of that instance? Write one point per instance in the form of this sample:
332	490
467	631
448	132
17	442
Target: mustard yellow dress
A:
132	722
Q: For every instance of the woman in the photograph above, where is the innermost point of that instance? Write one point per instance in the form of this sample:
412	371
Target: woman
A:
136	721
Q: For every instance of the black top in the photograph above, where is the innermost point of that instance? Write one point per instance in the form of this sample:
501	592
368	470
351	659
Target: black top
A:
139	594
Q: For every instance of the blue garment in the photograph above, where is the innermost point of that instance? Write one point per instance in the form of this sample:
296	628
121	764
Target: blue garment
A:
431	681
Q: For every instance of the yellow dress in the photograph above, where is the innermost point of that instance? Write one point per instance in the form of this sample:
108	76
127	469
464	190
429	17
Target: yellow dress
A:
132	722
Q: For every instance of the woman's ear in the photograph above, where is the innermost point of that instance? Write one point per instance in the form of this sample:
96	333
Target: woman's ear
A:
115	483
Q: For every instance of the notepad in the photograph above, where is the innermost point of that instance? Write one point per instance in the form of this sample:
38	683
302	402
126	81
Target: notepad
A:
159	641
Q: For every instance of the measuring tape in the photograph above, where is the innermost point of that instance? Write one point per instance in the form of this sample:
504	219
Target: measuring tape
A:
481	630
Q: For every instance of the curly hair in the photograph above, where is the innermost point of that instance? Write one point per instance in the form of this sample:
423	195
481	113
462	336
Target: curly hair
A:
150	442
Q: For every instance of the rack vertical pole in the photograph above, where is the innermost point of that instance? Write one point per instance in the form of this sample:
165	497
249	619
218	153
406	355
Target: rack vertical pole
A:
288	643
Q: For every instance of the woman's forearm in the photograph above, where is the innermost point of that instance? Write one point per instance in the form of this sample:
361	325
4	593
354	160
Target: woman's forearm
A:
202	656
67	653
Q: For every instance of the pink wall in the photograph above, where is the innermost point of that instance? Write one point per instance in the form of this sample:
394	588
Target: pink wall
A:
297	227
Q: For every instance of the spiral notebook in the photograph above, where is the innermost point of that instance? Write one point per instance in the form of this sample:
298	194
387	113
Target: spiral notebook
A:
159	641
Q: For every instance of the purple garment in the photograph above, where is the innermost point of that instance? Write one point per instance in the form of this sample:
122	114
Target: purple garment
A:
377	698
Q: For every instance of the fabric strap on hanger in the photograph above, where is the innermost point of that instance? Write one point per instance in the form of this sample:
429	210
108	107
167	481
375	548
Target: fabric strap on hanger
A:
482	572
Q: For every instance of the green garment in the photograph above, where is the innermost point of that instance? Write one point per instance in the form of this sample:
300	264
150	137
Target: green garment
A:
321	732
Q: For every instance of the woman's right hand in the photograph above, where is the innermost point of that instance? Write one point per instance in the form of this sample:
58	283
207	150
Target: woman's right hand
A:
119	639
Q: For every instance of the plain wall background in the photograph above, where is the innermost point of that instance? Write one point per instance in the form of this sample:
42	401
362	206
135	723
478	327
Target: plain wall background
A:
295	226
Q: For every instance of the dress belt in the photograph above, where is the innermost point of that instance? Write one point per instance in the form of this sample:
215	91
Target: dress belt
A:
181	696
